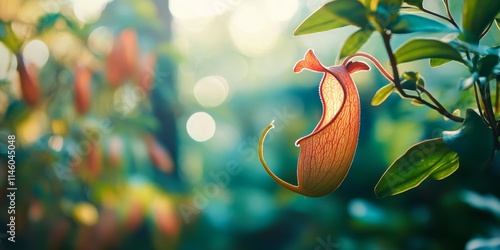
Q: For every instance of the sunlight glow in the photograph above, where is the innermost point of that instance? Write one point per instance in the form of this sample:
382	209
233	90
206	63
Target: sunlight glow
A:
252	31
36	52
281	10
100	40
201	8
88	10
211	91
200	126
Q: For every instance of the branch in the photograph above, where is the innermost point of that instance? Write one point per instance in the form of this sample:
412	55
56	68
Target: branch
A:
397	84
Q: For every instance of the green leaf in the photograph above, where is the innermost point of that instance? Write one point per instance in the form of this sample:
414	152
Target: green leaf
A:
382	94
410	79
3	31
477	15
355	41
334	15
384	13
416	103
48	21
486	64
407	23
430	158
10	40
426	48
416	3
474	142
436	62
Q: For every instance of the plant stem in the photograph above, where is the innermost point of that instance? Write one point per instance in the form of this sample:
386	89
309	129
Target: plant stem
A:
486	30
497	91
488	108
478	103
448	12
397	84
440	16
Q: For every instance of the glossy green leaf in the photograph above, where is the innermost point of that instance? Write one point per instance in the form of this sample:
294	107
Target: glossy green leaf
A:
334	15
477	15
436	62
474	142
486	64
407	23
382	94
430	158
355	41
426	48
416	3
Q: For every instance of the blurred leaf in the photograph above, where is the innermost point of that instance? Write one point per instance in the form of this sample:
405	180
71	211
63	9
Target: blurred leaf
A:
48	21
477	15
497	20
488	203
427	158
426	48
334	15
382	94
416	3
3	31
486	64
384	12
474	142
355	41
410	80
468	82
407	23
436	62
416	103
10	40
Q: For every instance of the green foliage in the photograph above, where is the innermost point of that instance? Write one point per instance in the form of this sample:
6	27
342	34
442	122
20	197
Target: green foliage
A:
436	62
417	49
408	23
477	15
334	15
9	38
473	142
382	94
416	3
430	158
355	41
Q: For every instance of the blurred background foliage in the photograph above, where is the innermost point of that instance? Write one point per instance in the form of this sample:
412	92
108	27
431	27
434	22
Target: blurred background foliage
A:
139	125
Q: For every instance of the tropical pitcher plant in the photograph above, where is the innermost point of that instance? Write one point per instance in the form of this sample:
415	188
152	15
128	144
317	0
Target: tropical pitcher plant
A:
328	151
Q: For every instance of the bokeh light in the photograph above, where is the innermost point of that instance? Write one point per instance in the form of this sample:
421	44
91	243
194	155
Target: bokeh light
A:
88	10
200	126
211	91
36	52
100	40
